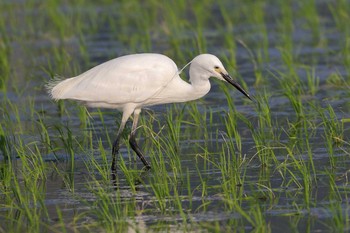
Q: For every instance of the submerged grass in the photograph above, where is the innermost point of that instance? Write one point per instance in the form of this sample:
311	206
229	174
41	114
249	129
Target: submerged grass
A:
218	165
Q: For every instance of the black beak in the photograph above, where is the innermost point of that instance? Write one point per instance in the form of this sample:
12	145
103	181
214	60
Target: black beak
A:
235	84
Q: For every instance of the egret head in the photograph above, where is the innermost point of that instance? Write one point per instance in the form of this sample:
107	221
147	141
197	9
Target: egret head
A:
208	65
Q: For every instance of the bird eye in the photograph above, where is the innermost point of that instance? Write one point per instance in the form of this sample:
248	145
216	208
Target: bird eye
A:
216	67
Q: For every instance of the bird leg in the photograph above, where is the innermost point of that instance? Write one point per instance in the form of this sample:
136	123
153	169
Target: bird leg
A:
133	142
115	147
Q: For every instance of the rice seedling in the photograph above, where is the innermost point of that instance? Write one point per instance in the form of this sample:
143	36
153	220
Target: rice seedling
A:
227	30
99	165
336	204
340	14
285	25
255	14
263	133
4	62
67	141
309	10
333	133
234	139
173	123
5	51
111	211
256	66
24	195
5	145
313	82
232	176
336	79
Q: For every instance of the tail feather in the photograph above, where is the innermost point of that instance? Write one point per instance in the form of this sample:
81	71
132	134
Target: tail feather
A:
58	87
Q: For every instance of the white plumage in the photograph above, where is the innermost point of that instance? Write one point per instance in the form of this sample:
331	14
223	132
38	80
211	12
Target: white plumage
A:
131	82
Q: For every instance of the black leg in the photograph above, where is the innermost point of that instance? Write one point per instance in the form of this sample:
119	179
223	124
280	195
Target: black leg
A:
136	148
133	142
115	148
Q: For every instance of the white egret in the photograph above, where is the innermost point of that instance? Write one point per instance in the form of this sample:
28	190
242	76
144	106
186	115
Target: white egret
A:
131	82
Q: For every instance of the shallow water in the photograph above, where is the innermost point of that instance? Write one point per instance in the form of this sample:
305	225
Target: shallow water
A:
282	203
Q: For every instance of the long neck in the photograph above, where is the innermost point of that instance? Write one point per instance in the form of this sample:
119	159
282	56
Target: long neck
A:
198	87
199	81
